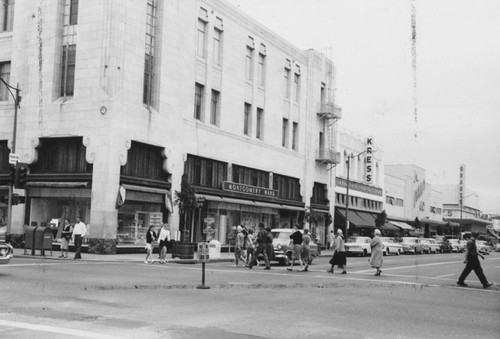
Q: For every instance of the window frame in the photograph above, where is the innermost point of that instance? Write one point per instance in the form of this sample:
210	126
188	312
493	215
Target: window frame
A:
199	95
4	67
247	119
215	108
68	70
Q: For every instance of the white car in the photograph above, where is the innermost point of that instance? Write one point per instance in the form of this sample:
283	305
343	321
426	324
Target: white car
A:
483	247
430	245
456	246
391	246
358	245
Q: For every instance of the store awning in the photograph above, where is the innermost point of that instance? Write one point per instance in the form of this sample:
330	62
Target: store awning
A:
248	202
357	218
69	184
400	224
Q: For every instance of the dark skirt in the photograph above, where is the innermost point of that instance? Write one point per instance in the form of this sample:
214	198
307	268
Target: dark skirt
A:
339	258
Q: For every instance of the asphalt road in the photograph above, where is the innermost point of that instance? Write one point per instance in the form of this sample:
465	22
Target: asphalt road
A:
416	297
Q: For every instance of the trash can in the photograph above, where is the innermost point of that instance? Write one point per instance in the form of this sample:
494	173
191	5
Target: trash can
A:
183	250
29	239
214	248
43	239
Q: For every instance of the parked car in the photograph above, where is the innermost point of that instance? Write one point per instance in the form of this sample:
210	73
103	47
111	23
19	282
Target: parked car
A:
443	243
6	250
430	245
483	247
496	248
456	246
391	246
358	245
412	245
282	249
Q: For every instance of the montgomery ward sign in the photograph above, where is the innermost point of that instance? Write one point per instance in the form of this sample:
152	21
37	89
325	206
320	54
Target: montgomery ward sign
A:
340	182
247	189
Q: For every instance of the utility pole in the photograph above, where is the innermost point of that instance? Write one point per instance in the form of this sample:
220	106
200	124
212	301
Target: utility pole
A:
17	100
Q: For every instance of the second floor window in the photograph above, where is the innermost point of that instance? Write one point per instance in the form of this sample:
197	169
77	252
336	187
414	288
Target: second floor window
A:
284	137
149	53
247	118
287	83
68	70
261	72
198	101
297	87
5	75
295	136
259	133
214	109
6	15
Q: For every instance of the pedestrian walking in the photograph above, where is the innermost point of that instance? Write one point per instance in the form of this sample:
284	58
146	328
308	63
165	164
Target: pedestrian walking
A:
472	263
339	255
77	237
261	247
377	257
296	237
239	246
269	244
250	246
164	240
65	238
306	251
331	239
150	238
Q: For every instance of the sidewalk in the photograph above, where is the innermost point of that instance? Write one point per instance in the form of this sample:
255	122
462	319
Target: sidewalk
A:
131	257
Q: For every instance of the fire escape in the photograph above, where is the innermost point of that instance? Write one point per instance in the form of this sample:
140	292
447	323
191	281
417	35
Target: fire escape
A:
329	114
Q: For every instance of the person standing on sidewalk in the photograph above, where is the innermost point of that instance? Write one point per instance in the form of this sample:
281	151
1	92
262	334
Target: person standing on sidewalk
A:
377	256
331	239
339	255
249	245
473	264
65	238
164	239
296	248
150	237
78	233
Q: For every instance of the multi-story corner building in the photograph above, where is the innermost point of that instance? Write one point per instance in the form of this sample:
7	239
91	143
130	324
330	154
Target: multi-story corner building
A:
123	99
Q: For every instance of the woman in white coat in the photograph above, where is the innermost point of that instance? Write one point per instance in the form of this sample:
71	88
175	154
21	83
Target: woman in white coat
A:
376	258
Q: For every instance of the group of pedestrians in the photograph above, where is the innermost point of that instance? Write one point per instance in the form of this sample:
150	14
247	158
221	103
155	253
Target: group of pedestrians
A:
163	240
72	234
300	249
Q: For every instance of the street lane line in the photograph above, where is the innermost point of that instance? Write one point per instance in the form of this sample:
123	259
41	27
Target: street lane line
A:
446	275
53	329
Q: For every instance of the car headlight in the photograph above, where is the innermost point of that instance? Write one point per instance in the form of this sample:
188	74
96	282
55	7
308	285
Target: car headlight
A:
278	247
4	251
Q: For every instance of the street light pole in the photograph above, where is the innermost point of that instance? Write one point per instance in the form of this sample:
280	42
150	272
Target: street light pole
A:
348	163
17	100
461	208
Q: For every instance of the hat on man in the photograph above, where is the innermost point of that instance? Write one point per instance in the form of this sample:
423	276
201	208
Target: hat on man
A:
339	231
239	228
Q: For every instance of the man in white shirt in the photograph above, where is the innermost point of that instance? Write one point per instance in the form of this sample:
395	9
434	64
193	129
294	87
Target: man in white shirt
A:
78	232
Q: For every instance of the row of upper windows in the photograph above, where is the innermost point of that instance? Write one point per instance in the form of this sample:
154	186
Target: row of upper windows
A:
394	201
359	203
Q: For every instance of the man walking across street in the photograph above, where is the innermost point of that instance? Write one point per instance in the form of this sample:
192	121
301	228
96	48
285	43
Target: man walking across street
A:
473	264
296	247
78	233
261	247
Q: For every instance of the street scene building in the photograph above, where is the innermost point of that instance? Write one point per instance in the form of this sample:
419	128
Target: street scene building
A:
118	107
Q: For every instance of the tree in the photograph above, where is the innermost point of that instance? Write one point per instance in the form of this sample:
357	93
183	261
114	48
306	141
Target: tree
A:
381	219
187	202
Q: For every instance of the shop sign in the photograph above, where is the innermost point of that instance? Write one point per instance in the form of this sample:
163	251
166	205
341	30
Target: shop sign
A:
247	189
356	186
461	186
369	161
13	158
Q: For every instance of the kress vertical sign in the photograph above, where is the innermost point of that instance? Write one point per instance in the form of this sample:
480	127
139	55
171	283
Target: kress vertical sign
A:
369	161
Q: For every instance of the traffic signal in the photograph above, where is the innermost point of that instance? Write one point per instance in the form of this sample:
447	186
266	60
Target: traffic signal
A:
15	199
21	175
13	170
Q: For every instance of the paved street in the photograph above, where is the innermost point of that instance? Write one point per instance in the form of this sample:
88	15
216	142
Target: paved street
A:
416	297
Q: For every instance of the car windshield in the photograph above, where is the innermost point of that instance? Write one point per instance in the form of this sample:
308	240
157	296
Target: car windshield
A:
355	239
410	240
281	235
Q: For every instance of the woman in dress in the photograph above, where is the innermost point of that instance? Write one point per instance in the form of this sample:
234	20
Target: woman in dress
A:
376	258
339	255
150	237
65	238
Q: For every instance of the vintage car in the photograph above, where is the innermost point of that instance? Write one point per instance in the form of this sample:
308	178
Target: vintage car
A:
456	246
391	246
358	245
483	247
430	245
6	250
282	249
412	245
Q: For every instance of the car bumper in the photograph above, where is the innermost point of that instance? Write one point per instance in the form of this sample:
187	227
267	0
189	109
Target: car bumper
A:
5	260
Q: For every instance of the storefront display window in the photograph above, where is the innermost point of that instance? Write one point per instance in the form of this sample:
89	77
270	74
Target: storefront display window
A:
134	221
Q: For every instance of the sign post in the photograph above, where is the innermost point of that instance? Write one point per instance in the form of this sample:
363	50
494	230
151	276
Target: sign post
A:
203	256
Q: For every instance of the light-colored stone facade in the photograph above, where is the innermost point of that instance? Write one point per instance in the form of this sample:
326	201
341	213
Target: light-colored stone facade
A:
107	108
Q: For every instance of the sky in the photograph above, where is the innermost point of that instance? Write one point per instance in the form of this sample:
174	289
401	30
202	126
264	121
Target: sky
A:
432	100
